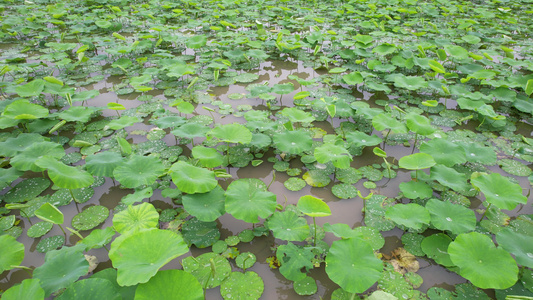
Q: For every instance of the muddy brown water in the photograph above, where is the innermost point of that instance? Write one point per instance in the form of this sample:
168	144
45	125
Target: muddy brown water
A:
343	211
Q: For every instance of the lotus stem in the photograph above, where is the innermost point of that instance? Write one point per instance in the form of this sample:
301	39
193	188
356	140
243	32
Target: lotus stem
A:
486	210
314	224
72	194
61	227
386	136
414	145
26	215
273	178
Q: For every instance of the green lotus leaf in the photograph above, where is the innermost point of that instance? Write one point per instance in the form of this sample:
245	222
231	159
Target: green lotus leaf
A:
437	66
283	88
457	52
514	167
180	69
103	164
191	179
444	152
90	217
201	234
360	139
207	207
91	288
305	286
517	243
410	215
416	189
294	184
98	238
24	110
190	130
348	175
447	216
416	161
344	191
136	218
246	77
499	191
479	261
39	229
12	253
449	177
122	122
313	207
245	260
411	83
232	133
384	49
288	226
49	213
316	178
61	268
64	176
239	285
138	171
353	78
13	145
26	190
210	269
351	264
28	289
293	259
386	121
419	124
297	115
26	159
31	89
77	114
293	142
196	42
170	284
234	55
169	121
339	155
136	258
247	199
209	157
436	247
366	233
50	243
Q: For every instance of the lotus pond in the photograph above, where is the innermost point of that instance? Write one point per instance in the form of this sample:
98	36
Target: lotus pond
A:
233	149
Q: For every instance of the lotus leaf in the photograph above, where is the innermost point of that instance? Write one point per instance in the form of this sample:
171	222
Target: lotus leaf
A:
288	226
232	133
293	259
410	215
169	121
499	191
12	253
246	77
138	196
245	260
136	258
297	115
313	207
201	234
210	269
64	196
293	142
28	289
239	285
61	268
411	83
26	159
91	288
206	207
90	217
191	179
306	286
352	265
294	184
447	216
412	243
482	263
344	191
348	175
353	78
190	130
327	152
436	247
196	42
444	152
386	121
283	88
180	69
360	139
416	189
122	122
416	161
247	199
136	218
39	229
209	157
514	167
375	213
103	164
26	190
50	243
24	110
419	124
64	176
138	171
170	284
98	238
449	177
49	213
517	243
77	114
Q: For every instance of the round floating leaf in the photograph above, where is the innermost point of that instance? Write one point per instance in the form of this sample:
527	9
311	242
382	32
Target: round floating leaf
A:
138	171
313	207
232	133
246	77
239	285
49	213
316	178
419	124
201	234
339	155
361	139
103	164
306	286
29	289
514	167
436	247
283	88
353	78
416	189
245	260
499	191
344	191
386	121
122	122
411	83
293	259
136	258
209	157
196	42
247	199
294	184
444	152
190	130
77	114
50	243
170	284
98	238
352	265
452	217
136	218
449	177
519	244
24	110
90	217
210	269
64	176
297	115
91	288
293	142
416	161
206	207
39	229
410	215
366	233
12	253
169	121
479	261
26	159
60	269
349	175
26	190
191	179
288	226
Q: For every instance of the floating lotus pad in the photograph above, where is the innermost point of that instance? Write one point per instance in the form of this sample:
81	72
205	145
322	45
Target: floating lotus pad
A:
410	215
207	207
247	199
436	247
200	267
12	253
170	284
447	216
190	179
138	171
499	191
416	161
293	142
29	289
444	152
288	226
90	217
136	218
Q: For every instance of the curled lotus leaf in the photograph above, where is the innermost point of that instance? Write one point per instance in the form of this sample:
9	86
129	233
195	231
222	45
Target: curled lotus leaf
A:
499	191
